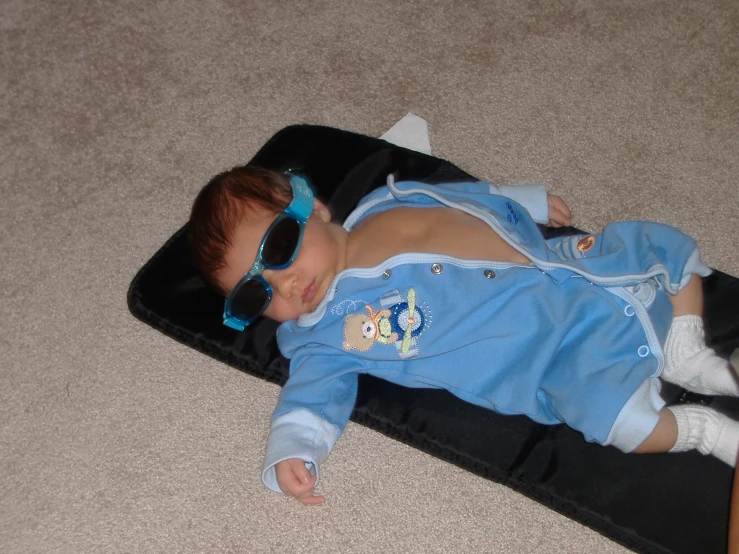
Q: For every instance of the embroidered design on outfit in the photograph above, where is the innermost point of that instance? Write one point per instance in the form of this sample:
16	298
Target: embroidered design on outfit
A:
511	216
400	322
362	330
572	247
586	243
347	306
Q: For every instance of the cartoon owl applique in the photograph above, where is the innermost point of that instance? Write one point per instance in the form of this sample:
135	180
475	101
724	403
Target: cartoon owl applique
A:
400	321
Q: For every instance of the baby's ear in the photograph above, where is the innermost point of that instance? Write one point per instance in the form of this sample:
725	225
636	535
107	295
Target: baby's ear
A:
321	210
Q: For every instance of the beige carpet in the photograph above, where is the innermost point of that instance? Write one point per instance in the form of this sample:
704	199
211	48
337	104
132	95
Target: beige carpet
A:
114	438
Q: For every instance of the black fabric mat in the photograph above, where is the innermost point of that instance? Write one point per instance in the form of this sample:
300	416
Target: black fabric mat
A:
651	503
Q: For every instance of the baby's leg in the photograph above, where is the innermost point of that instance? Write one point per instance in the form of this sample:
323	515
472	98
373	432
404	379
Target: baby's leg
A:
688	427
664	436
688	361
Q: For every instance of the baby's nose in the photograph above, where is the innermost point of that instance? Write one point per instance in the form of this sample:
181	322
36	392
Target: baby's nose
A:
282	281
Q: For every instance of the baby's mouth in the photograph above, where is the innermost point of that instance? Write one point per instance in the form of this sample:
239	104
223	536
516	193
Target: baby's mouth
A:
309	293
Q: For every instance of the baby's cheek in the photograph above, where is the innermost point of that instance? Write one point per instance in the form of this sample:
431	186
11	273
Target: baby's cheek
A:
272	313
281	311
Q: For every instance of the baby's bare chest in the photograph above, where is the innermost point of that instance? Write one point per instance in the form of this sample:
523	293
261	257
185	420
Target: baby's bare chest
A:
429	230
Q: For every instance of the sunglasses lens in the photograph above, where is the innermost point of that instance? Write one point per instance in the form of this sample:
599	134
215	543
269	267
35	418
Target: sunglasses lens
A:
249	300
281	243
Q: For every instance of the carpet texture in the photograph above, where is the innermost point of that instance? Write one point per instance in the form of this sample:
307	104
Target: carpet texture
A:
114	438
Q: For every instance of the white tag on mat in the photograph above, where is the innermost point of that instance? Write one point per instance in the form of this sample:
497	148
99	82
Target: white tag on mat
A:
411	132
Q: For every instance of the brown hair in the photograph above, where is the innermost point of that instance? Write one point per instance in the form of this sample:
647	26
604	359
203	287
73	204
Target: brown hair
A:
220	207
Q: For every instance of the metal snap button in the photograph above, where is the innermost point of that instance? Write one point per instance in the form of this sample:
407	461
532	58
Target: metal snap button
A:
643	350
489	274
586	243
437	268
387	273
629	310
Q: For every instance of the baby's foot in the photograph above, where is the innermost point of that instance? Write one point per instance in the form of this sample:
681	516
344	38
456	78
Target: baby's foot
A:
692	365
707	431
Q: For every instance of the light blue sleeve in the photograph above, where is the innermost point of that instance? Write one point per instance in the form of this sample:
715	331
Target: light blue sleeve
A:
533	198
313	409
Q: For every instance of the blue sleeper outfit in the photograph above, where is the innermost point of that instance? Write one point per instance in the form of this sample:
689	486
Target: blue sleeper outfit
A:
575	337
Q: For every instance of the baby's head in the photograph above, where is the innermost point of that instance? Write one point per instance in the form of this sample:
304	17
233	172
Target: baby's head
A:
222	206
264	225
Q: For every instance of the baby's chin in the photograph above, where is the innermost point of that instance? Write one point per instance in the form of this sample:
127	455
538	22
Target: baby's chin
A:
283	318
294	315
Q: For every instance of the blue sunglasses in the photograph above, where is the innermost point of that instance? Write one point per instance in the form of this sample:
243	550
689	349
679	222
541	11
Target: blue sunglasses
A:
278	249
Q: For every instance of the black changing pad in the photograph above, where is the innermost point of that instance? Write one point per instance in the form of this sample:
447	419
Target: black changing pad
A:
651	503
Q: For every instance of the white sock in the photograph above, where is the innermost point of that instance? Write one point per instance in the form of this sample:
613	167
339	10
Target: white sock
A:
691	364
707	431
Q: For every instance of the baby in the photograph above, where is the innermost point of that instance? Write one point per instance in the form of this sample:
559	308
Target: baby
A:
453	286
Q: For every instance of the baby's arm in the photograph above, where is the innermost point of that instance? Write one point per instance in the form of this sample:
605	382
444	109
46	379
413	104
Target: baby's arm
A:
314	407
298	434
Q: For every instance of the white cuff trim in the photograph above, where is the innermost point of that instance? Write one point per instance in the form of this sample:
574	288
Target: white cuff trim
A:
297	434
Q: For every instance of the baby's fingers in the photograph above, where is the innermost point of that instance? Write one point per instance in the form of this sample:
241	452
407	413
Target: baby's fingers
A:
312	499
300	471
304	492
559	214
560	220
294	479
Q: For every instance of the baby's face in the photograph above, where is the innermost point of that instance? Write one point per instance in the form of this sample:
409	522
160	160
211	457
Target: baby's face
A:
301	286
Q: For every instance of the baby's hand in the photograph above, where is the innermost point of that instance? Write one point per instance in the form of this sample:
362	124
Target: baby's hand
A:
559	214
295	480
